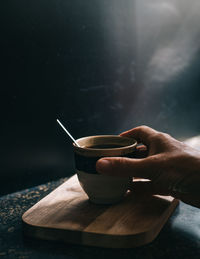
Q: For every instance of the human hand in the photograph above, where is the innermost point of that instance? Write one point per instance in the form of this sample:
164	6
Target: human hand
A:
172	167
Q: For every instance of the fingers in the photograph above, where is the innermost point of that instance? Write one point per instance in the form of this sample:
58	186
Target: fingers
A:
142	134
123	167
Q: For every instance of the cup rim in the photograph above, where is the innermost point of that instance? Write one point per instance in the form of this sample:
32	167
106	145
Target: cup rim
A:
134	144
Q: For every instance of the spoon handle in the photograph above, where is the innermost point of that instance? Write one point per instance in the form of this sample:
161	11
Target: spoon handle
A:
68	133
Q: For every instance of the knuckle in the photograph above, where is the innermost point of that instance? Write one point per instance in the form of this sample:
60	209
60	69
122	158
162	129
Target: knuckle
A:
166	135
120	163
144	127
115	162
157	137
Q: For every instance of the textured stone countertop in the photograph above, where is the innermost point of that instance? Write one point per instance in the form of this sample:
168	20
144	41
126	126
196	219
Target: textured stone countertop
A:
180	237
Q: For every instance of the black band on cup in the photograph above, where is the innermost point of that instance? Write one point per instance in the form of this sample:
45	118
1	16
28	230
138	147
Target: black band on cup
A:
88	164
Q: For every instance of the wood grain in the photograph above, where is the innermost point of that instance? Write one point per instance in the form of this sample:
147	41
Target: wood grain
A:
67	215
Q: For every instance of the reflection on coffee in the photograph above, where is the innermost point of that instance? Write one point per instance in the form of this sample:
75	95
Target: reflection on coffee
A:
104	146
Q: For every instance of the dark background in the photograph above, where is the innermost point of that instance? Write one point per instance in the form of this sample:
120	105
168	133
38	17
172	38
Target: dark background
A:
90	64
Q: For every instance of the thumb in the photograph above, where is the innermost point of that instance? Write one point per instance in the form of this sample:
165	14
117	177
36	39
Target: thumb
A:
123	167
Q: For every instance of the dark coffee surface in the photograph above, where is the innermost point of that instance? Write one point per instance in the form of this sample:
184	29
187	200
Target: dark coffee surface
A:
105	146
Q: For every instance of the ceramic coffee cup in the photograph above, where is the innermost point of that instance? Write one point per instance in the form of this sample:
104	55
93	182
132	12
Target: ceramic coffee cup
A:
102	189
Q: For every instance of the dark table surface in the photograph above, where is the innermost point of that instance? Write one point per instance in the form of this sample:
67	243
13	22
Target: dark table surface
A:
180	237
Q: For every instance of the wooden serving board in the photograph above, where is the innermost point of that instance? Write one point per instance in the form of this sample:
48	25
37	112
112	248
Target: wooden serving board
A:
67	215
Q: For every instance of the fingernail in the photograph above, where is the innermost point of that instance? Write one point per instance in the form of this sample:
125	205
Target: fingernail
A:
103	165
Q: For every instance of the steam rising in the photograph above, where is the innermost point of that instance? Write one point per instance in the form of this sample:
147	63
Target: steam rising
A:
168	37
